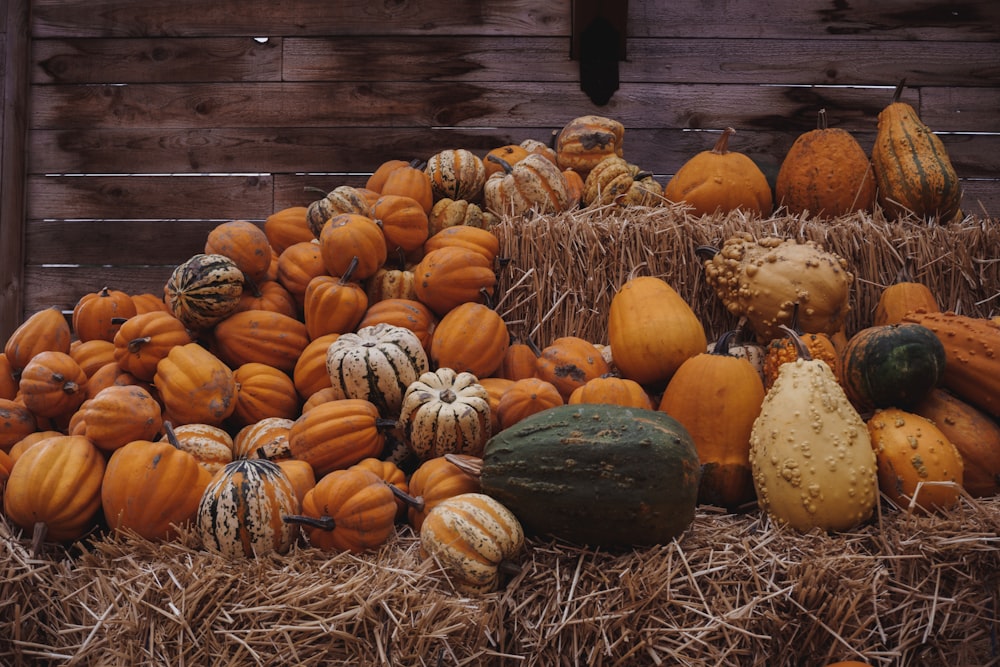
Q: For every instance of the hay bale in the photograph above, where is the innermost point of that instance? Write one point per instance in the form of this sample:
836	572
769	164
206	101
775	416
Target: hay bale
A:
564	269
734	590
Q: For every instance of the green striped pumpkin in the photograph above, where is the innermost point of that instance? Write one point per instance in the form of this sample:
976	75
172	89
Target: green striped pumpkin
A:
204	290
240	513
377	364
445	412
912	169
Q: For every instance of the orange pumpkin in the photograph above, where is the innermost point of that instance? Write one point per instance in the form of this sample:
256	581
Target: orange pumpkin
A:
309	374
287	227
520	360
260	336
495	388
16	422
269	295
434	480
196	386
407	313
348	510
391	474
611	390
720	180
402	220
30	440
524	398
116	416
148	302
480	240
243	242
46	330
56	483
98	315
349	235
334	305
112	374
269	434
92	354
152	488
143	340
263	391
569	362
511	154
448	277
53	384
298	265
381	173
409	180
470	337
899	299
8	381
211	446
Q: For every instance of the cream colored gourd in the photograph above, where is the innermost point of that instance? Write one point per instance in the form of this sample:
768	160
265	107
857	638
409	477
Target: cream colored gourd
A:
812	459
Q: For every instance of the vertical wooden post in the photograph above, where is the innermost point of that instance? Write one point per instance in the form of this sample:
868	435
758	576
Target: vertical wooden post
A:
13	161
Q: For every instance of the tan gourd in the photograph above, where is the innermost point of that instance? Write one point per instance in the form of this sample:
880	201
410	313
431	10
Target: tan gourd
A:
812	460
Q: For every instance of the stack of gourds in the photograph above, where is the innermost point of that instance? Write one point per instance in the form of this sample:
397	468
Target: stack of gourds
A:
341	369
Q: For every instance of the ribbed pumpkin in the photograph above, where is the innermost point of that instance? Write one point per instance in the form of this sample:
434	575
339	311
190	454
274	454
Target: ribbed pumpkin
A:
143	340
16	422
8	382
524	398
286	227
495	387
825	172
912	168
333	305
457	173
263	391
470	535
211	446
53	384
902	298
269	295
309	374
269	434
611	390
335	435
347	236
471	337
148	302
57	482
569	362
519	361
203	290
91	355
972	356
893	365
402	220
111	374
381	173
196	387
720	180
152	488
406	313
260	336
391	474
96	315
343	199
586	140
45	330
435	480
510	153
534	183
448	277
243	242
116	416
300	474
376	364
241	510
445	412
348	510
918	467
652	330
409	180
717	398
974	435
298	265
782	351
391	283
473	238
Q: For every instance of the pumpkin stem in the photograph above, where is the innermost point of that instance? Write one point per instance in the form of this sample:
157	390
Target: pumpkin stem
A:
136	344
312	188
323	523
821	122
470	465
119	320
724	342
383	424
706	252
417	502
38	534
509	567
506	166
553	138
349	271
722	145
447	396
168	428
801	351
898	93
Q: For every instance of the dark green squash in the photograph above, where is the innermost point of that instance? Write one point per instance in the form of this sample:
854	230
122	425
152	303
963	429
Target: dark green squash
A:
600	475
891	365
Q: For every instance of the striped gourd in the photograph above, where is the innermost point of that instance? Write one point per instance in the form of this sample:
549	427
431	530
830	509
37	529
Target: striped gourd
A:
241	511
445	412
912	168
377	364
211	446
203	290
470	535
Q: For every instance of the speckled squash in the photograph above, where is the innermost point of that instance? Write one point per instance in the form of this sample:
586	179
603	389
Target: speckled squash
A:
203	290
457	173
918	467
444	412
534	183
806	419
603	475
211	446
586	140
240	512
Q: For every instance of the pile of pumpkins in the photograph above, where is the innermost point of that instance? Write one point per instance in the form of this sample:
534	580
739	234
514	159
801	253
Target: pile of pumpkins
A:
341	369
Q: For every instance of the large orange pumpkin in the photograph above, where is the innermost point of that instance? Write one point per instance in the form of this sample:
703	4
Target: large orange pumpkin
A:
116	416
196	386
98	315
143	340
471	337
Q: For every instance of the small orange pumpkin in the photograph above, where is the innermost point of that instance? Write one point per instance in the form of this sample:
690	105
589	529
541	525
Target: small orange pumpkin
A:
309	374
334	305
407	313
196	386
402	220
46	330
611	390
116	416
243	242
263	391
349	235
53	385
211	446
16	422
143	340
298	265
448	277
287	227
434	480
98	315
524	398
569	362
260	336
470	337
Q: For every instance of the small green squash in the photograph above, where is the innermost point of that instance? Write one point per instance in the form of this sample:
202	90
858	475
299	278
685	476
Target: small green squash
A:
601	475
891	365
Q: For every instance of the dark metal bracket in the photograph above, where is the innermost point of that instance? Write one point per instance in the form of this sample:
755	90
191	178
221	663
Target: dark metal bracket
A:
598	43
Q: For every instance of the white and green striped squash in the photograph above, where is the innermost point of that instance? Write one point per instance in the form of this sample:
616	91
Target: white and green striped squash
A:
377	364
445	412
241	511
204	290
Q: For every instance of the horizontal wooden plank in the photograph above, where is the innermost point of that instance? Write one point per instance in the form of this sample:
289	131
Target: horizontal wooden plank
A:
62	287
501	104
126	18
871	19
156	60
115	242
346	150
148	197
687	60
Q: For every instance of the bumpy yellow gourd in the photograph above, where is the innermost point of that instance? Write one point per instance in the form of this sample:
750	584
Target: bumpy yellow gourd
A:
810	453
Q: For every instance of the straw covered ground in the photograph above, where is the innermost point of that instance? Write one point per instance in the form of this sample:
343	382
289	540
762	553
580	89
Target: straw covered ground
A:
564	269
733	590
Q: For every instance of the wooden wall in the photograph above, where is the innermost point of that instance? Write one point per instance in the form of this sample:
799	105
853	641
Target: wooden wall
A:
152	121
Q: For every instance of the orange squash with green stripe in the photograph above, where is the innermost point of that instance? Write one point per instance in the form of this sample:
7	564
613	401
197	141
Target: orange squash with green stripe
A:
912	169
